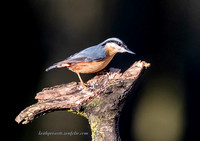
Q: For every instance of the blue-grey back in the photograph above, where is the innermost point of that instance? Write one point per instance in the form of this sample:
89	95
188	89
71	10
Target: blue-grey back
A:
94	53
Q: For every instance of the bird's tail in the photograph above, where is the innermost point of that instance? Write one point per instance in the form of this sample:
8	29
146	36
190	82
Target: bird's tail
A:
51	67
61	64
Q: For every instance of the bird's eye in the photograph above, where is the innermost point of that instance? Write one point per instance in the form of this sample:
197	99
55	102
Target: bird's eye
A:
120	44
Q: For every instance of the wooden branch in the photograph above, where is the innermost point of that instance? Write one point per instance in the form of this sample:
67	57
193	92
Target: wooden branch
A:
101	103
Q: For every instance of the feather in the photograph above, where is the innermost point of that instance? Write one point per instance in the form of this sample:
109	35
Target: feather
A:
61	64
91	54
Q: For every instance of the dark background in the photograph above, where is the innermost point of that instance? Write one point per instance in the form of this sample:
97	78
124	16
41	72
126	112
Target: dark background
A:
164	105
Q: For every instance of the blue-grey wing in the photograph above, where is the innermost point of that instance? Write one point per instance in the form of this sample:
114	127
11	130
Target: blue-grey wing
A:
94	53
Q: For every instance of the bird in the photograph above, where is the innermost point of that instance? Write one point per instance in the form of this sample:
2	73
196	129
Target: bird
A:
93	59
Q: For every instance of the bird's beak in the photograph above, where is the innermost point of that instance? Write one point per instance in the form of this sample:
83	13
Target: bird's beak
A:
129	51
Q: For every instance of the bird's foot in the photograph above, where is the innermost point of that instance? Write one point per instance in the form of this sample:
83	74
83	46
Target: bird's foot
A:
84	85
103	72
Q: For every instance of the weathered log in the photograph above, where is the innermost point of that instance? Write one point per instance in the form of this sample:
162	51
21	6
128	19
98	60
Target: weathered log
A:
101	103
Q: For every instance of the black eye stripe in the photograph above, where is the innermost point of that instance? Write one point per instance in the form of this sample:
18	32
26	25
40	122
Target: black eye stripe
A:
118	43
113	41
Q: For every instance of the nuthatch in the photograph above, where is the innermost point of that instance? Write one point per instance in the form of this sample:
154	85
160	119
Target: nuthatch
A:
93	59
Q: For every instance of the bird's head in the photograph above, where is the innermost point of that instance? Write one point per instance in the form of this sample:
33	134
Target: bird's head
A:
116	45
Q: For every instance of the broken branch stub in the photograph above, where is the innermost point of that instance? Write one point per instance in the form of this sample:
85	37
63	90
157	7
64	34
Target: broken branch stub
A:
100	103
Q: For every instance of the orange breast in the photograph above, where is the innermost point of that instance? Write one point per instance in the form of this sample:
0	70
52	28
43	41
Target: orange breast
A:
91	67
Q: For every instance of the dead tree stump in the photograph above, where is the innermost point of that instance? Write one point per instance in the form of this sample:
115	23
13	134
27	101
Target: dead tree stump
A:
101	103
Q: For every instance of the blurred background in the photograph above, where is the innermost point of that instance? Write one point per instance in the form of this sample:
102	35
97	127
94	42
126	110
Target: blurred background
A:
163	106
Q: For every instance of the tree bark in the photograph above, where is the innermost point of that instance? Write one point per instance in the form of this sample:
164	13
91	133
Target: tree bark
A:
101	103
